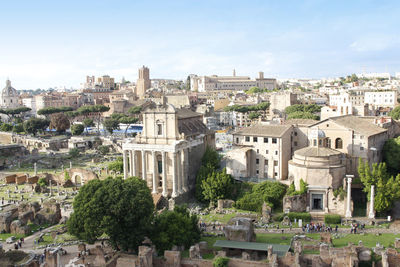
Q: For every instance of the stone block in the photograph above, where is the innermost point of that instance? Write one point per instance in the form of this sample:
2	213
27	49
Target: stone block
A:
6	218
33	179
240	229
397	243
26	217
50	213
172	258
365	255
17	227
10	179
21	179
203	245
194	252
326	238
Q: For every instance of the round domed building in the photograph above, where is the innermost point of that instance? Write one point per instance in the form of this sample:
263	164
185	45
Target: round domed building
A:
9	96
322	168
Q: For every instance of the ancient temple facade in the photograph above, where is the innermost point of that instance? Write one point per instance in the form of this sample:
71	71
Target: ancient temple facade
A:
167	154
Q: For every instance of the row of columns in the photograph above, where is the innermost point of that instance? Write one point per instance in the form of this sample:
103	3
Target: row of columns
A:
371	213
179	169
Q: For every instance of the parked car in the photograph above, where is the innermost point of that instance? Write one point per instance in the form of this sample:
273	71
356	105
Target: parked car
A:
11	240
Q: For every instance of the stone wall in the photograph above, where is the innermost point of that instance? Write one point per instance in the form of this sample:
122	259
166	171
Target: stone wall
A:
296	203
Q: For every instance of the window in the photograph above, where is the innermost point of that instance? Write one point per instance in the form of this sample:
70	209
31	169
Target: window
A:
247	138
266	162
257	172
237	140
265	139
315	142
295	143
159	129
159	163
338	143
276	174
257	161
276	152
274	140
258	151
328	142
254	139
295	133
266	151
275	163
361	148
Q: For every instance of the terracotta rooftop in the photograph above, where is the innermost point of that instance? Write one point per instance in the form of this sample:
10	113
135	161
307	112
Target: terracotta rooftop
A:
313	151
264	130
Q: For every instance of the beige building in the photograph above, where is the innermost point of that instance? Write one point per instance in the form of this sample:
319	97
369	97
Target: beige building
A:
167	154
323	169
143	82
104	82
9	96
281	100
235	83
262	151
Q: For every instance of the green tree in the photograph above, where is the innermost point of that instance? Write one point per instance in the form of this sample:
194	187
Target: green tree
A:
217	185
59	122
18	128
128	121
42	182
387	187
88	122
77	129
66	176
117	165
95	112
121	209
220	262
175	227
12	113
6	127
254	115
395	113
111	124
34	125
302	115
391	154
270	192
52	110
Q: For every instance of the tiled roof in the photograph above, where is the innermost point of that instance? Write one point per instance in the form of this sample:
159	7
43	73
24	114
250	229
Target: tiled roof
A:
264	130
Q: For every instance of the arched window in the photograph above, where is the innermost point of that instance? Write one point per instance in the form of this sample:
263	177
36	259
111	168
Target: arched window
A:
338	143
328	142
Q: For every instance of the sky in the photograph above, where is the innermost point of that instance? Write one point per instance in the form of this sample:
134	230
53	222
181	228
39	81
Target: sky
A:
57	43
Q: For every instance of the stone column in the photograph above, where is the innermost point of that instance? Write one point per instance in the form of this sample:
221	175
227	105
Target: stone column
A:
143	165
125	158
185	169
70	164
371	213
35	168
132	162
164	175
154	172
174	180
348	206
179	172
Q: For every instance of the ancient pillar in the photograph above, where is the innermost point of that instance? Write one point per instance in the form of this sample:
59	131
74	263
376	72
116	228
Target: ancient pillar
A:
154	172
371	213
132	162
348	206
185	154
164	175
62	167
125	158
179	172
144	165
70	164
174	181
35	168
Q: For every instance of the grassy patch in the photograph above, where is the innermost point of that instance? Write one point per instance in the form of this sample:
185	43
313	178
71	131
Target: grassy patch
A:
3	237
369	240
211	240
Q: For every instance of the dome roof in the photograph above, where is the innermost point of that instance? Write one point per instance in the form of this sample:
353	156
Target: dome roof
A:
9	91
317	134
313	151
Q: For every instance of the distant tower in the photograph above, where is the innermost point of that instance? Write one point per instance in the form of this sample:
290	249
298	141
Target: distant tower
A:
234	72
143	83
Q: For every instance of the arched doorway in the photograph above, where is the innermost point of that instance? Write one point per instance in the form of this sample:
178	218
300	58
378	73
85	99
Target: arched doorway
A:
77	180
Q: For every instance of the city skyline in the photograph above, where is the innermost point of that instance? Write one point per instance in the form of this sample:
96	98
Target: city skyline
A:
49	44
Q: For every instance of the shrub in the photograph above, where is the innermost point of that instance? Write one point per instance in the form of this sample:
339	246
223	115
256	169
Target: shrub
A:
220	262
304	216
332	219
74	152
77	129
103	149
66	176
339	192
42	182
5	127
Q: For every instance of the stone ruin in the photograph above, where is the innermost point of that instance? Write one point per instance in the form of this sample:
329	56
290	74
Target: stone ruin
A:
297	203
224	204
240	229
15	219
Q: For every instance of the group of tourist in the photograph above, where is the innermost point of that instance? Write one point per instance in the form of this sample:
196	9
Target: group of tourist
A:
18	244
355	226
318	227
